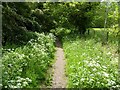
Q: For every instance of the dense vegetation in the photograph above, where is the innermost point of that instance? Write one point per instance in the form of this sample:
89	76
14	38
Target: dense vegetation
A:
27	54
89	63
89	33
18	19
44	17
26	66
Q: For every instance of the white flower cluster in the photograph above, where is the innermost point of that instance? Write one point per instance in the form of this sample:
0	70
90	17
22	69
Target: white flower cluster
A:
19	82
33	56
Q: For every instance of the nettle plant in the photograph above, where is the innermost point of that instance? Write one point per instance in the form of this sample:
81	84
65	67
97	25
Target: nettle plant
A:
24	66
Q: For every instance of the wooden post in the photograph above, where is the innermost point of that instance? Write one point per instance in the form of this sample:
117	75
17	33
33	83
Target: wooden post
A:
88	31
107	36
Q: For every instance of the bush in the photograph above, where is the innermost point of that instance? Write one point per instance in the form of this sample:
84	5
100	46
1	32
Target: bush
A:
60	32
26	66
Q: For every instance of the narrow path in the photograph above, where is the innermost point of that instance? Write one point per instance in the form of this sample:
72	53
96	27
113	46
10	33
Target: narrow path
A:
59	78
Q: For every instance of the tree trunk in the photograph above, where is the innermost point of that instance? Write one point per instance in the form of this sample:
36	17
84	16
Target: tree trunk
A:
105	35
119	40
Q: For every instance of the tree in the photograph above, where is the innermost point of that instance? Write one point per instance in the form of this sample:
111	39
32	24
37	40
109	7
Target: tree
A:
112	16
82	15
23	17
72	14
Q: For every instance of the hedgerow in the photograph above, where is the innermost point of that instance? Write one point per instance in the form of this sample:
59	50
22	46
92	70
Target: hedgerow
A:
26	66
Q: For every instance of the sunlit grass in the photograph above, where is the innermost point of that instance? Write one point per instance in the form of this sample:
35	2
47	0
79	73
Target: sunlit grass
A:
89	63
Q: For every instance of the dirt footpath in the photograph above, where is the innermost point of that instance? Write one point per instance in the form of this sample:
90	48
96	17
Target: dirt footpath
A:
59	78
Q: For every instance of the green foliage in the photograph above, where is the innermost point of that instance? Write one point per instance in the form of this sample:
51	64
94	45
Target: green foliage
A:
59	13
42	17
60	32
89	64
112	15
26	63
15	26
72	14
27	66
81	15
21	17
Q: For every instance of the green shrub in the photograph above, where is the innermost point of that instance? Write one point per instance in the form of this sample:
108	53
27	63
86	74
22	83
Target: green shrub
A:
60	32
27	66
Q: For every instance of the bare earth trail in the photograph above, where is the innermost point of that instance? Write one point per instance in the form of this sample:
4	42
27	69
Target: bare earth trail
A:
59	78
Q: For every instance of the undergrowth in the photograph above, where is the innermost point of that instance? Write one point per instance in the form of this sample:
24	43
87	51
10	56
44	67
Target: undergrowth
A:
27	66
89	63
